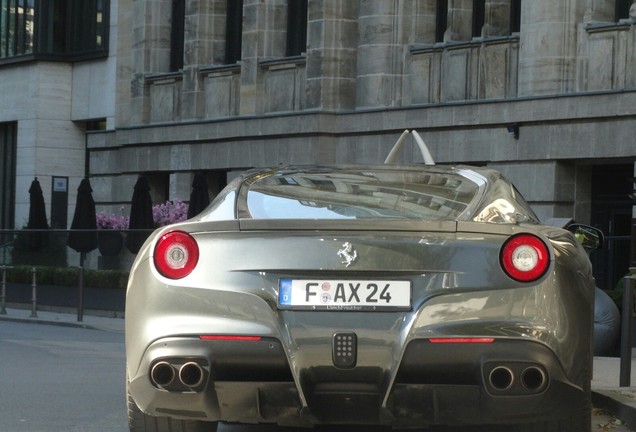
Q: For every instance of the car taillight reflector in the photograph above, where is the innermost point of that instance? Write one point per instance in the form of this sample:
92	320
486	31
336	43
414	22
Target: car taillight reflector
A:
176	254
462	340
230	338
525	257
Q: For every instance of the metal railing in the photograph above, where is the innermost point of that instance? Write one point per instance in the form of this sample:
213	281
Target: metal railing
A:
49	248
34	247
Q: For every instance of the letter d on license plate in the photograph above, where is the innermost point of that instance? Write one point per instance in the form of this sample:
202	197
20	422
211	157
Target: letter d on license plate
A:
345	295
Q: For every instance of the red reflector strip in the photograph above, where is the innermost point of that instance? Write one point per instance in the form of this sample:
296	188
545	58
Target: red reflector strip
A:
230	338
461	340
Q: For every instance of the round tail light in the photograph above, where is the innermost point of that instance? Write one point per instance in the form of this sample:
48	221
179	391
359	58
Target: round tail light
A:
525	257
176	254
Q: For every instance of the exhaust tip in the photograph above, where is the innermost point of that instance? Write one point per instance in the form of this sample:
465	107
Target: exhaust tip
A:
191	374
533	378
162	374
501	378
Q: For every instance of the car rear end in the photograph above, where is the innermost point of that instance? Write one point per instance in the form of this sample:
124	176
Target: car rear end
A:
360	320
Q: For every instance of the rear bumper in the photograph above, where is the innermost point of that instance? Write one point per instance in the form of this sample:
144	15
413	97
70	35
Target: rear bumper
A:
436	384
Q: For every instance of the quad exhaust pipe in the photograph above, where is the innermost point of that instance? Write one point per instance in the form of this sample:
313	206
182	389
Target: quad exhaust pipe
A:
533	378
501	378
191	374
162	374
173	376
517	379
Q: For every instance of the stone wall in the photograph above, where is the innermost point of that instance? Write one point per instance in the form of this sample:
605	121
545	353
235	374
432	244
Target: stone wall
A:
371	69
369	54
542	162
48	143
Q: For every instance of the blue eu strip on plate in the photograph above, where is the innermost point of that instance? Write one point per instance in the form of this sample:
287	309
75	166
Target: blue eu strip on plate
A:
284	293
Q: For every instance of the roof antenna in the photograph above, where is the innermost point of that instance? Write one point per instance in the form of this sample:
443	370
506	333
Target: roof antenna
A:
397	147
426	154
395	151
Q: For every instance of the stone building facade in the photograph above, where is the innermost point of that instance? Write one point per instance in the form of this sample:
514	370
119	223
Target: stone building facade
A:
56	81
543	91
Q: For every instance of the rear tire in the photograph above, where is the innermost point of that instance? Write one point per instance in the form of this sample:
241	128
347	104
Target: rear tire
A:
140	422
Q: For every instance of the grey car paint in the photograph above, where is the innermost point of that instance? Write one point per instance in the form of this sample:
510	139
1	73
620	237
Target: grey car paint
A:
401	378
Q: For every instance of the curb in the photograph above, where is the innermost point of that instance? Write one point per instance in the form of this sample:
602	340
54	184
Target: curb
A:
622	404
101	313
100	320
49	322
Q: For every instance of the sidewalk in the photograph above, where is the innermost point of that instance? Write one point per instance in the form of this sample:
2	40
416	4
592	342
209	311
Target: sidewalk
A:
606	392
90	319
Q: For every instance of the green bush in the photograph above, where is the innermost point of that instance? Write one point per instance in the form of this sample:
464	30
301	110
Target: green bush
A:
106	278
68	276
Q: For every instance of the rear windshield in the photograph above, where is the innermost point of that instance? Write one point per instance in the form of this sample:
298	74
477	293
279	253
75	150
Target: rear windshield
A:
360	194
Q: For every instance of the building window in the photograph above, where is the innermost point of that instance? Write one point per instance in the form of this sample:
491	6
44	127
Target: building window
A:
296	27
54	29
8	134
177	35
16	27
233	31
515	16
441	20
87	18
622	9
479	16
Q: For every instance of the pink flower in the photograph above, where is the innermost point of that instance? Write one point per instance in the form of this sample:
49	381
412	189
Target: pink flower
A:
111	221
162	214
169	212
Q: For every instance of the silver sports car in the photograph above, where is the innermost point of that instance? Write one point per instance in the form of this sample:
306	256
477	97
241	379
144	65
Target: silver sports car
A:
400	295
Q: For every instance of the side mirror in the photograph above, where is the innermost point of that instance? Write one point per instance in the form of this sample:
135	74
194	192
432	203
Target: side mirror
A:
590	238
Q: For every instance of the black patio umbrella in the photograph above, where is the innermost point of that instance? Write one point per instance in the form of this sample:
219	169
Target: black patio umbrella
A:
199	197
84	219
37	215
140	216
83	242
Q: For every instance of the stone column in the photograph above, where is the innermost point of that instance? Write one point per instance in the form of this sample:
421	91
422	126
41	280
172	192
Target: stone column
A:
380	63
204	38
332	35
264	35
151	35
548	46
204	45
150	50
123	86
179	186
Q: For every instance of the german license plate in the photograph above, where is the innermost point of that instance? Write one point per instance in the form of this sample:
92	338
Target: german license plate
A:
344	295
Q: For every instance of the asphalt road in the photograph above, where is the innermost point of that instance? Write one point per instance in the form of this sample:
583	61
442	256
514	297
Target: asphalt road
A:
67	379
61	379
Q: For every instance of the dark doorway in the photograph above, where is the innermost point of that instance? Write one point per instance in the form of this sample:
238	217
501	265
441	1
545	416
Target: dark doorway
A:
612	213
8	164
